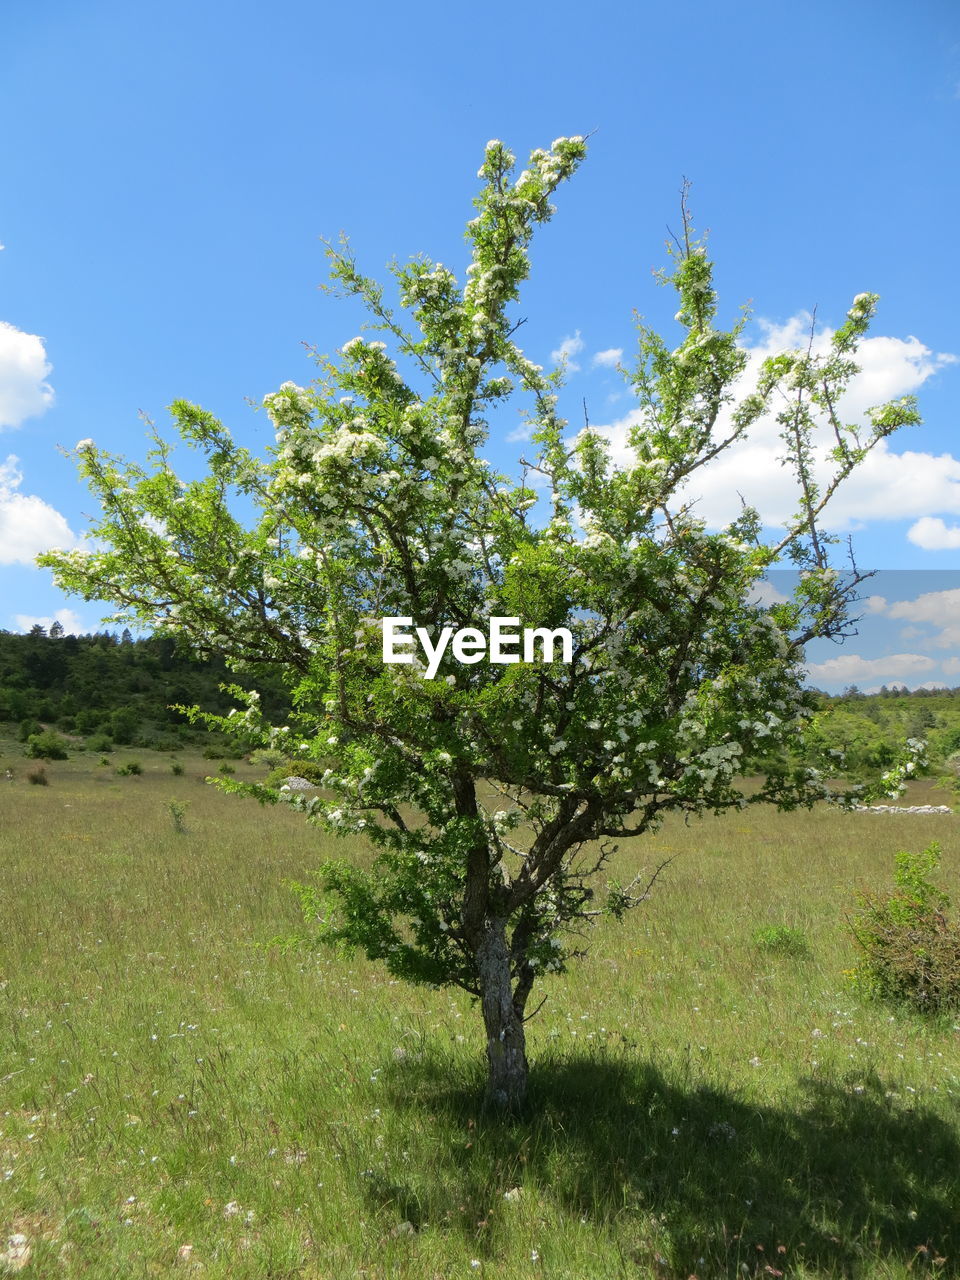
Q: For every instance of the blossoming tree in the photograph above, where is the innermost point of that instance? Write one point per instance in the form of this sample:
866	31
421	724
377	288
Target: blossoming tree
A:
494	792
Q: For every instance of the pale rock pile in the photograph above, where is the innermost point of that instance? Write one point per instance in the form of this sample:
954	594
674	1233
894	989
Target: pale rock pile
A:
896	808
298	784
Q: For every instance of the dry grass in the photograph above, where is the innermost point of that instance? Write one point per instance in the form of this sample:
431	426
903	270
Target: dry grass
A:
703	1106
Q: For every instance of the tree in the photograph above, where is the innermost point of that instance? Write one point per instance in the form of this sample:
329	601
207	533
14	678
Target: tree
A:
494	792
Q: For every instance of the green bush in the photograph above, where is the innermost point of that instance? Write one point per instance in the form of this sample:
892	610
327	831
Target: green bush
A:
910	949
267	757
782	940
312	770
46	746
176	768
178	812
131	768
226	768
99	742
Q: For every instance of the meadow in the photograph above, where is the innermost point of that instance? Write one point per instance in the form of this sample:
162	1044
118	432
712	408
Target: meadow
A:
179	1097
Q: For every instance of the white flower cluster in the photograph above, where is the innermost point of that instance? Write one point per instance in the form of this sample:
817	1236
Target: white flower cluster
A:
289	407
863	306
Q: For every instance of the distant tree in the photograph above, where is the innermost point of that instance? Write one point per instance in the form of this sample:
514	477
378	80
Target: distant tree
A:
56	631
46	746
376	503
124	722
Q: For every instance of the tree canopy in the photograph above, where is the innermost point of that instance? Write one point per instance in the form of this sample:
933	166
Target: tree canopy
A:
494	792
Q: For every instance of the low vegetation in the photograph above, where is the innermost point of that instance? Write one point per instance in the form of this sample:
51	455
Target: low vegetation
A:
179	1096
910	946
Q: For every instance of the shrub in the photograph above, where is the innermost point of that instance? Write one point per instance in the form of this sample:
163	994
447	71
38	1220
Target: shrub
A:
124	722
312	770
176	768
178	812
28	728
910	949
226	768
46	746
267	757
99	742
38	777
132	767
782	940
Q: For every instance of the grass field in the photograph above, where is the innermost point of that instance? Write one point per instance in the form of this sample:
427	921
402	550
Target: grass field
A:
177	1098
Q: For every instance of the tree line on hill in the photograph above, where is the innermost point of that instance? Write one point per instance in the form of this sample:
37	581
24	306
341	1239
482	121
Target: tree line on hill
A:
105	690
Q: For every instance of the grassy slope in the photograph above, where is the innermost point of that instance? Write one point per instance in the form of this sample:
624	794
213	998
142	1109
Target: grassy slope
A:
703	1108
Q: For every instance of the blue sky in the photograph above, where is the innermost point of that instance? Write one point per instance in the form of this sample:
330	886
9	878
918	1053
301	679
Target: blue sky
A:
169	171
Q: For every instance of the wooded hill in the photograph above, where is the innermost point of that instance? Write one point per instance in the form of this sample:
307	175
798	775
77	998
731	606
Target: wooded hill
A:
106	689
116	690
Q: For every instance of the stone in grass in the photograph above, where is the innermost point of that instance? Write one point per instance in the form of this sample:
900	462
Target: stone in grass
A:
298	784
16	1255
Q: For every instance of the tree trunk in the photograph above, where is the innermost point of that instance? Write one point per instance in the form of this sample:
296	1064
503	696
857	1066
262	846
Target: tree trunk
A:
506	1042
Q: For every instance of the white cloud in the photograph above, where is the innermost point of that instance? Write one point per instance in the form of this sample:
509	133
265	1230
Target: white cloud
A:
68	619
765	593
24	391
521	433
853	669
889	485
935	608
932	534
567	349
939	607
28	525
898	684
608	359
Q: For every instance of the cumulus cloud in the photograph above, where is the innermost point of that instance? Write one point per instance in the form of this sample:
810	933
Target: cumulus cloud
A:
940	609
608	359
24	368
68	619
28	525
932	534
889	485
567	349
851	668
765	593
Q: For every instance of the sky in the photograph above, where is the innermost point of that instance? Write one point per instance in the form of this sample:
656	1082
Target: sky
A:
169	172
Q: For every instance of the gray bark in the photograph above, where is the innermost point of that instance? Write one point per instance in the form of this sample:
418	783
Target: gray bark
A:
507	1068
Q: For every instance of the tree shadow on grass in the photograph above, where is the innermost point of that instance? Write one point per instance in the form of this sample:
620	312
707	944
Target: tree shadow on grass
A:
691	1179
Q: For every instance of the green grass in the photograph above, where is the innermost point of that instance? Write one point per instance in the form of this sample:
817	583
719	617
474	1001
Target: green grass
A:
701	1105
